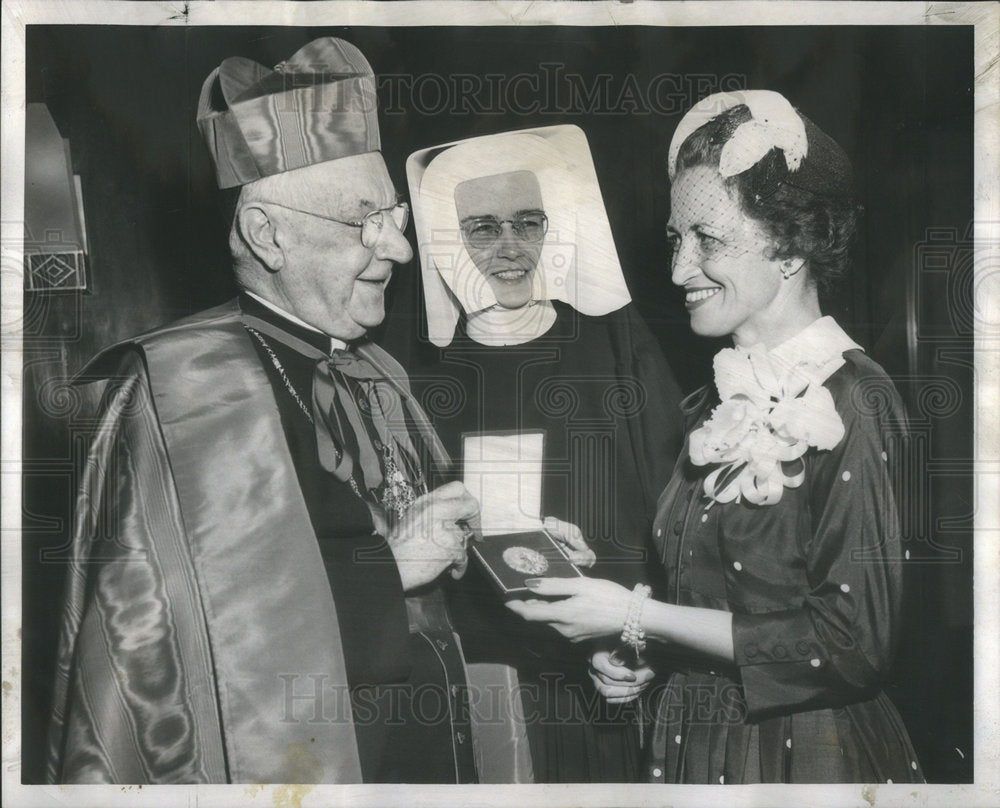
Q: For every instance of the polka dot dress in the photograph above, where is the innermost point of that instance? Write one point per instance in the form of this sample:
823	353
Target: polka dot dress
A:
812	627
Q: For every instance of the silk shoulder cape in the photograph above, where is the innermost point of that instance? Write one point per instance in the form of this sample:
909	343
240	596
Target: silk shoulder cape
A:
200	642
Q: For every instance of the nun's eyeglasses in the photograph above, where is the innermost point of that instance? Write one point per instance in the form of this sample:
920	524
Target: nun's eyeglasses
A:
482	231
371	224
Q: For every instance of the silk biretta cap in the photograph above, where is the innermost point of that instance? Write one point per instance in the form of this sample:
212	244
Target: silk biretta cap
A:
815	161
578	263
319	105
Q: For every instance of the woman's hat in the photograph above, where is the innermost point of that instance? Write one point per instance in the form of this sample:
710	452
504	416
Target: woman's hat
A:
815	161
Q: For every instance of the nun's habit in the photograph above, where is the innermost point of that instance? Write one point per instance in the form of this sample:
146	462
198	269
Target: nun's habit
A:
577	362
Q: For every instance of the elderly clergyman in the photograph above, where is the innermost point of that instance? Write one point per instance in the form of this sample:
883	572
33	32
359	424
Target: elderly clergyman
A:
254	594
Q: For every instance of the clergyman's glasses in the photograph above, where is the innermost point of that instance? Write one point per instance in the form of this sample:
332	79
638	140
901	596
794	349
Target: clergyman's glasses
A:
371	224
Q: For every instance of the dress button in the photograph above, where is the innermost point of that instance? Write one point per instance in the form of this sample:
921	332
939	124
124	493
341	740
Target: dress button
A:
677	739
678	527
737	566
704	517
780	651
657	773
750	649
845	476
815	663
802	647
845	588
659	532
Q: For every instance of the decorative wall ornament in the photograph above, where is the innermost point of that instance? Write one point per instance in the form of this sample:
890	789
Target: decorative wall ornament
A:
55	241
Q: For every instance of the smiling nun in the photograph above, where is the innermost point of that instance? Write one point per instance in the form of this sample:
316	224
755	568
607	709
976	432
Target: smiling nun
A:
530	326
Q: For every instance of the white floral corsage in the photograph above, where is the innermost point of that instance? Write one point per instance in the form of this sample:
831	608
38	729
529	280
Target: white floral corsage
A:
765	423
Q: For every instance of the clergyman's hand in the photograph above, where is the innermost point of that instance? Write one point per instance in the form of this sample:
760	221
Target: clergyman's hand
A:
433	535
569	536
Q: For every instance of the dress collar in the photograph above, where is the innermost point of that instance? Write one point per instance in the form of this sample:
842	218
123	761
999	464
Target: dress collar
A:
818	349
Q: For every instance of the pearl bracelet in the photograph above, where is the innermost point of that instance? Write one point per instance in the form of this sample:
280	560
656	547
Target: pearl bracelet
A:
632	633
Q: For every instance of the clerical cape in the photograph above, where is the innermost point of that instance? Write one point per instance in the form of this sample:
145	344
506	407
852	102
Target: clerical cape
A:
200	642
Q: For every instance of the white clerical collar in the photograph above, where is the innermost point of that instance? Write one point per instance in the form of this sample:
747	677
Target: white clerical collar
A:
497	326
335	344
820	346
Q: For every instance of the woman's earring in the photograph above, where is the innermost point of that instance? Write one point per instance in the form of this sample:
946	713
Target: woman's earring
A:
789	268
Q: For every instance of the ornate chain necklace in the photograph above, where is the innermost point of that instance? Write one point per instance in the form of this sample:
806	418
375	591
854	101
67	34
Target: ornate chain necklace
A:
281	372
292	391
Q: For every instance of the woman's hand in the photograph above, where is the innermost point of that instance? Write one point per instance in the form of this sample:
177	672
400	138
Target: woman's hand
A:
593	608
572	541
615	680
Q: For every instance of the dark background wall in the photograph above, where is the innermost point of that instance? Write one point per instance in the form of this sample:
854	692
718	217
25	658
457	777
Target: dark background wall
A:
898	99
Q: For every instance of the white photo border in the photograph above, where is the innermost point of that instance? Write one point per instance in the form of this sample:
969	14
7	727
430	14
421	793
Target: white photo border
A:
985	791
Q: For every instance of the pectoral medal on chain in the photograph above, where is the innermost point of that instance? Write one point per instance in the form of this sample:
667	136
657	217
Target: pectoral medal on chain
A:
397	492
293	392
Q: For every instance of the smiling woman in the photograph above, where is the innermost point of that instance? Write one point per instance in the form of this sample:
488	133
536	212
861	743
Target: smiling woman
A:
742	229
778	530
532	328
506	256
723	260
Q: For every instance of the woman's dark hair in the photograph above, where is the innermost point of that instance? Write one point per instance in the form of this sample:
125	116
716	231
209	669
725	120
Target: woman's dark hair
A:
802	223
